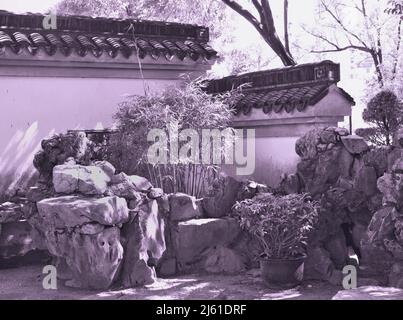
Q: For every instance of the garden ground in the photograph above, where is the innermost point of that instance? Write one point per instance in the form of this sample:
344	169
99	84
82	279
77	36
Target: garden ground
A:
26	283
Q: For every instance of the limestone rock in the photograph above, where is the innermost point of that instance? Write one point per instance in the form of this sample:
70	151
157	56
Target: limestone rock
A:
184	207
354	144
394	247
10	212
57	149
125	190
366	181
194	236
222	197
305	146
38	193
71	211
91	228
106	167
393	156
155	193
342	131
345	163
93	259
391	186
319	266
328	136
381	225
377	158
143	240
223	260
90	180
375	256
141	184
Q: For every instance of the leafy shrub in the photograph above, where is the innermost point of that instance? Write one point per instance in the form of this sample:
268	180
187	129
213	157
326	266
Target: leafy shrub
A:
188	107
281	224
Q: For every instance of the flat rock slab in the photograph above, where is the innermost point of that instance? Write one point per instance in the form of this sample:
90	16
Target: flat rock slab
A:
370	293
91	180
196	235
71	211
355	144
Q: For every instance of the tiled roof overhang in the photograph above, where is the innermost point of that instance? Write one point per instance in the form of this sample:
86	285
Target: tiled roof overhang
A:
98	36
286	89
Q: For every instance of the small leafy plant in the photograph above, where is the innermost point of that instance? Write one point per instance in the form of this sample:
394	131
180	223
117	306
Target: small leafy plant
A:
281	224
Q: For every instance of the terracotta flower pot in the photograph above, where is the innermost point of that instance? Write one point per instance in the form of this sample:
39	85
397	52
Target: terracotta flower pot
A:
282	273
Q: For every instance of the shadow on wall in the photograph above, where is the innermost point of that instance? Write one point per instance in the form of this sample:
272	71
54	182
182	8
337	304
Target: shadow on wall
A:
16	168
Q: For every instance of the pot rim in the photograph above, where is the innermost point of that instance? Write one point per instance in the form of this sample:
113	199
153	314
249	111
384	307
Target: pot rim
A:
283	259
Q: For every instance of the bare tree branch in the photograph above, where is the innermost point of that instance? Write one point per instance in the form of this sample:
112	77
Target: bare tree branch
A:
265	27
338	20
338	49
244	13
286	37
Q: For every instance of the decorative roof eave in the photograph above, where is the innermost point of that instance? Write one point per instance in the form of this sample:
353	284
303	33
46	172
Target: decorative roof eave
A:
98	37
286	89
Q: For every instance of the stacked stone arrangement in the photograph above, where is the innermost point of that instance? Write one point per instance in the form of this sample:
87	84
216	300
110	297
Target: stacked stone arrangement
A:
103	228
347	176
203	237
106	229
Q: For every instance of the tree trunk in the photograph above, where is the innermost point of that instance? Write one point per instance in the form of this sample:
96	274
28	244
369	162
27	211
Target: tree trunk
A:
286	38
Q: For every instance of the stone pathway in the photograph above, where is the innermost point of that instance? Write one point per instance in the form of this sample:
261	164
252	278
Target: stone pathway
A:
26	283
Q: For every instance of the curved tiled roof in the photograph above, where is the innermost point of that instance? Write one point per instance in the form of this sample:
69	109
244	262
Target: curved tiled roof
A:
281	90
98	36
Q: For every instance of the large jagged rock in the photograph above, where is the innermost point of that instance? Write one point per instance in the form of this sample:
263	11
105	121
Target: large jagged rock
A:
57	149
11	212
305	146
319	266
221	198
128	187
381	225
106	167
184	207
366	180
355	144
378	159
194	236
83	231
341	171
94	259
89	180
139	183
72	211
144	244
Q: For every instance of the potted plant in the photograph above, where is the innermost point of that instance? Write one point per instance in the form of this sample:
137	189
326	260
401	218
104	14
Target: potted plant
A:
281	224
